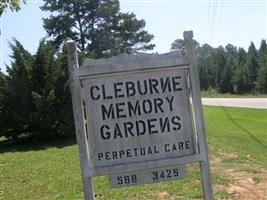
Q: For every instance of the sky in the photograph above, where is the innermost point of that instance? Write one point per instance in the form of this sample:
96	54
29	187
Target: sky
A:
216	22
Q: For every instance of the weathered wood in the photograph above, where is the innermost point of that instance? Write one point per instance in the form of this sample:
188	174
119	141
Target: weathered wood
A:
131	62
199	119
145	165
147	176
166	107
79	120
101	91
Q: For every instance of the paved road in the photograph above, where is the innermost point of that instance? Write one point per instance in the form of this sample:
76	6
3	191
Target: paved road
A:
237	102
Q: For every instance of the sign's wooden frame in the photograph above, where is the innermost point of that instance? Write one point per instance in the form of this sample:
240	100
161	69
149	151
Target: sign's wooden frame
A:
131	63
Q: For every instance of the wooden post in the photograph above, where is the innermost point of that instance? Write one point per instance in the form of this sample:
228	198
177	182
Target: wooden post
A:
197	104
79	120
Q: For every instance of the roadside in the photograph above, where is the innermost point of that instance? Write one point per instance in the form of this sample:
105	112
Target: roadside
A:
236	102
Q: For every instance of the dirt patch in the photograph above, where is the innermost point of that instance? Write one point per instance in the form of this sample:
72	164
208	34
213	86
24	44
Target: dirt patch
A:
162	195
244	185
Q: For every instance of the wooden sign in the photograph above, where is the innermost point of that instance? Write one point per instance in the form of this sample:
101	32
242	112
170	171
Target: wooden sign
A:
138	117
147	176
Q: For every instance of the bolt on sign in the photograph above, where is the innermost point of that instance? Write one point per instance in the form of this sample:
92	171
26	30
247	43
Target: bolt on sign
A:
138	117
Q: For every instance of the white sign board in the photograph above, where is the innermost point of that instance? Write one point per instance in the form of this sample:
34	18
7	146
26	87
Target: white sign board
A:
134	117
138	116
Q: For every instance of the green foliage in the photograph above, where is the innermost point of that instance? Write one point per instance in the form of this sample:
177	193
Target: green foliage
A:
3	89
44	73
98	27
13	5
230	70
17	103
35	97
262	72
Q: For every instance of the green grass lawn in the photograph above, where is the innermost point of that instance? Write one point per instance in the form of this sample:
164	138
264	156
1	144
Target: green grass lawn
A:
237	139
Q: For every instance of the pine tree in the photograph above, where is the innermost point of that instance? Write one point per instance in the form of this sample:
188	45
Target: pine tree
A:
252	67
241	73
63	104
262	72
18	101
98	27
44	74
13	5
2	97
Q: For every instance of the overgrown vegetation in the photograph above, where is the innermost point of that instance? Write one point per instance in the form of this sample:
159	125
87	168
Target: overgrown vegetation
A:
236	140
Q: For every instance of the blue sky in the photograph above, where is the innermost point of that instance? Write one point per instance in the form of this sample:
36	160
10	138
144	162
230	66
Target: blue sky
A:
216	22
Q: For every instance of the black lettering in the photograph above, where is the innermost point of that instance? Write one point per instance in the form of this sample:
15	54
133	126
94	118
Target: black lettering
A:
158	105
114	155
151	126
170	101
128	153
142	151
139	87
181	145
104	93
149	150
176	83
176	122
117	131
147	106
134	109
105	135
139	130
119	110
100	156
168	171
153	83
121	152
187	144
167	147
130	89
117	90
174	147
107	155
155	149
128	127
92	94
164	124
165	86
107	113
135	151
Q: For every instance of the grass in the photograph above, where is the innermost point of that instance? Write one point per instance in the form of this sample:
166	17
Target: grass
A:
51	171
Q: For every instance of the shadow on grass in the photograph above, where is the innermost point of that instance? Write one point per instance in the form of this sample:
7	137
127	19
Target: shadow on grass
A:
250	134
30	144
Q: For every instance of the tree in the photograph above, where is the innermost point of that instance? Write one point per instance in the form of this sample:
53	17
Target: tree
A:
35	98
45	70
262	71
179	45
18	100
226	82
63	104
241	74
2	96
206	69
252	66
13	5
97	26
